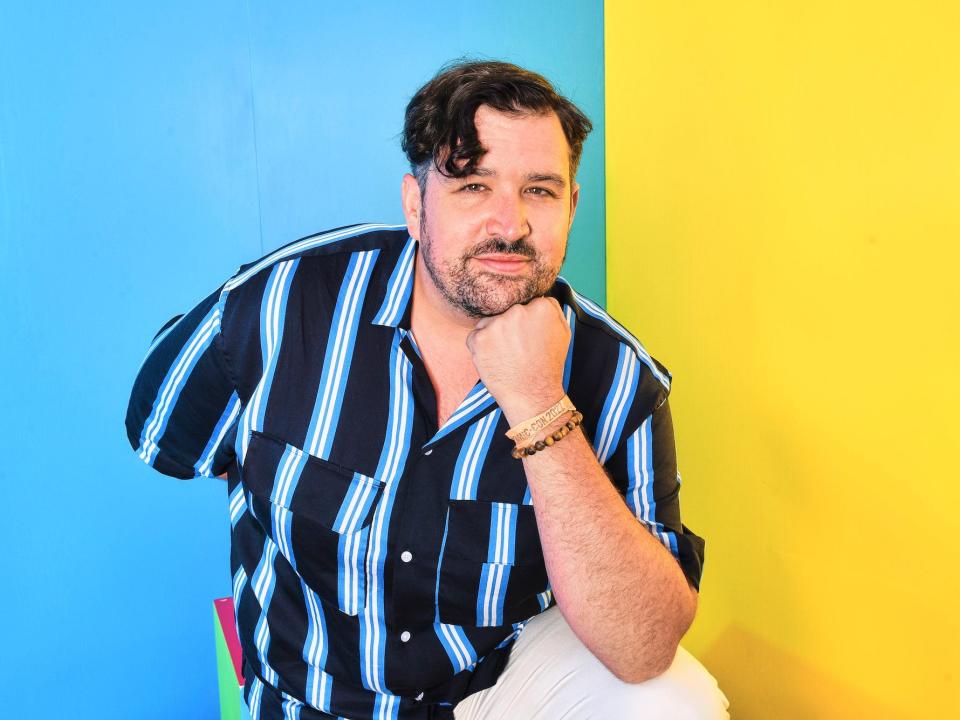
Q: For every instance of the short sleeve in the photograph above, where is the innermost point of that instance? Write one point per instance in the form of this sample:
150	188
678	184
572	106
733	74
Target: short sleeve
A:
183	409
644	468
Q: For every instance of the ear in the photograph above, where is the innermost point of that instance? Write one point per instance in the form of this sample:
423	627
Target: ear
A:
412	204
574	199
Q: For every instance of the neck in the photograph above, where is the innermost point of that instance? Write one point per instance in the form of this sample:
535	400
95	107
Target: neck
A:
432	316
441	334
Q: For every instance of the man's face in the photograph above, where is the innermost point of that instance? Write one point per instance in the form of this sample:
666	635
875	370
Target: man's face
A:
497	237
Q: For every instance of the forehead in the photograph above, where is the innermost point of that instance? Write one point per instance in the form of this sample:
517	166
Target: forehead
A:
528	142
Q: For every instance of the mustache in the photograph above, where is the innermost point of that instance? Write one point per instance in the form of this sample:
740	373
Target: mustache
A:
501	247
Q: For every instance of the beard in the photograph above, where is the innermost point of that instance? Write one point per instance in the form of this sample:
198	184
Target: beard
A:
482	293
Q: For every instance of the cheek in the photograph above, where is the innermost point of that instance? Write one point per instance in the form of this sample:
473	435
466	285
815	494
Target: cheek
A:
443	246
554	242
552	220
461	218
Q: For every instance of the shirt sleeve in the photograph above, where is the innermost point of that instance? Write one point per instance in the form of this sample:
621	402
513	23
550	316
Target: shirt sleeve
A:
183	409
644	468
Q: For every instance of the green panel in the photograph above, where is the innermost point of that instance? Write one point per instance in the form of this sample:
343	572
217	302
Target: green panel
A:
226	675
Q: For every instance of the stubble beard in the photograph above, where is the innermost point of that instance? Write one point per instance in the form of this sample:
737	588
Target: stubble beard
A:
481	293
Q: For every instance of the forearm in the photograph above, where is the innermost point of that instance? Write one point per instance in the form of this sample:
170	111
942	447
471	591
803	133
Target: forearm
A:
620	590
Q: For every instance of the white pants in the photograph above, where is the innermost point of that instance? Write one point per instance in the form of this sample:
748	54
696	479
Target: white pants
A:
551	675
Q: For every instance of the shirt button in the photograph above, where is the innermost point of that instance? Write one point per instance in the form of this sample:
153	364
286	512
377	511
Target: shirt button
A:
406	556
404	636
429	452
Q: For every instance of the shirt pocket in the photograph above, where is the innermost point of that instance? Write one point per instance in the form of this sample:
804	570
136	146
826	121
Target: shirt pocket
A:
317	513
491	566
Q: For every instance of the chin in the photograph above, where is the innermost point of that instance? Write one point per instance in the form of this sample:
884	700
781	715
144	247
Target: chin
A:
498	307
487	294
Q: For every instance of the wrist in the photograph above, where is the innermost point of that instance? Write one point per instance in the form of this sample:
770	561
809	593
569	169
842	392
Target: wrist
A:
569	423
523	407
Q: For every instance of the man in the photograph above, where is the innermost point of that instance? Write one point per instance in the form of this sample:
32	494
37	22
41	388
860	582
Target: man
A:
394	551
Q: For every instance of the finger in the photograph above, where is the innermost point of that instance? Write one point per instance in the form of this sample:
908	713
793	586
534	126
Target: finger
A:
559	308
556	307
472	339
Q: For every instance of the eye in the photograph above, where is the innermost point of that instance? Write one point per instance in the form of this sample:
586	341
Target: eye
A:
541	192
473	187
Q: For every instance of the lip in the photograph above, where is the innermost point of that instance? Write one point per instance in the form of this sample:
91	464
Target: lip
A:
504	264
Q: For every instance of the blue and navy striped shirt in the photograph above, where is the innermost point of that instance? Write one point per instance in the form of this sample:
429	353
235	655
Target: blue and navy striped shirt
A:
382	565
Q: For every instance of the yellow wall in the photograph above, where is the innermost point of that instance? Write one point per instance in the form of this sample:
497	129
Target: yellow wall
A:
783	199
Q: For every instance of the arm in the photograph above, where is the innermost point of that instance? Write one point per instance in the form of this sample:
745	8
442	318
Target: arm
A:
620	590
183	404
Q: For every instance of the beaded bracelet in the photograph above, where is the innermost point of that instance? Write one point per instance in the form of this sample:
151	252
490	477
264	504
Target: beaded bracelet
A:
573	422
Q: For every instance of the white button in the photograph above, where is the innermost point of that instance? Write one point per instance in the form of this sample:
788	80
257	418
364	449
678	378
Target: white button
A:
406	556
428	452
419	697
404	636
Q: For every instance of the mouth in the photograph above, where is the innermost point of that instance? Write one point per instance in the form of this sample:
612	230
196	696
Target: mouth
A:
503	264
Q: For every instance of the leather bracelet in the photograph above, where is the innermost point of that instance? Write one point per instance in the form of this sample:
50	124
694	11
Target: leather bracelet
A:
555	437
525	431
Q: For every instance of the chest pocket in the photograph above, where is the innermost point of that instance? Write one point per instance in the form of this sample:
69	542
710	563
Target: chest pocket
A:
317	513
491	570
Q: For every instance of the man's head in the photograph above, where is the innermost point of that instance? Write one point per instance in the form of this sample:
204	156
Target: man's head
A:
439	129
494	151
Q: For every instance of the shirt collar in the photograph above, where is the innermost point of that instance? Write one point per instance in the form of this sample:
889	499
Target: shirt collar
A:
395	311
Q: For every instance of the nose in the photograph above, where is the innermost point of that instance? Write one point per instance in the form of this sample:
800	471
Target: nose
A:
507	217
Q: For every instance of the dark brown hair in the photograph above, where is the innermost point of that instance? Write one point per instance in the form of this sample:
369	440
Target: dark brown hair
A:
439	124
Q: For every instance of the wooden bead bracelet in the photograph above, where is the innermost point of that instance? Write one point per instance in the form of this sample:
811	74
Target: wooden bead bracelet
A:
557	436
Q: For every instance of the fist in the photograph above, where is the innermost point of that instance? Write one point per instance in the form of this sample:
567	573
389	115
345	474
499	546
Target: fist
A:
519	355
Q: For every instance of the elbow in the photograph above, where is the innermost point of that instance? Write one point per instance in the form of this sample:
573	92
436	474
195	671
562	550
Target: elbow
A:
655	658
692	601
635	678
645	668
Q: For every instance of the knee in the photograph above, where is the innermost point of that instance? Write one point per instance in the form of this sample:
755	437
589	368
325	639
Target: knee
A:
685	691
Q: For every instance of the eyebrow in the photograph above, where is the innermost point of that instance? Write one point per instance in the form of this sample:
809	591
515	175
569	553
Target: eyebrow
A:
553	178
548	178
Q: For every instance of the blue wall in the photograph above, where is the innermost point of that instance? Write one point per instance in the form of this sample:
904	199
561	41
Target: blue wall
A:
144	154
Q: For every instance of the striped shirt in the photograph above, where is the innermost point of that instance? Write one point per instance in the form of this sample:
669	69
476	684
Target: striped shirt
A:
382	565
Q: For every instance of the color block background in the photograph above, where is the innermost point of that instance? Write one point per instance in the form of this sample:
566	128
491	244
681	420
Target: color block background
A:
783	224
146	151
783	185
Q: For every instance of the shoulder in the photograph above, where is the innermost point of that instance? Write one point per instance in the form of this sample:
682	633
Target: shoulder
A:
343	241
606	353
320	260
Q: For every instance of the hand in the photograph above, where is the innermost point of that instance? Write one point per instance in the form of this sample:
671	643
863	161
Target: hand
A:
519	356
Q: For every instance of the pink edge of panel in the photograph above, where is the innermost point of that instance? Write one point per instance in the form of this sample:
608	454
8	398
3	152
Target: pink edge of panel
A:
228	623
